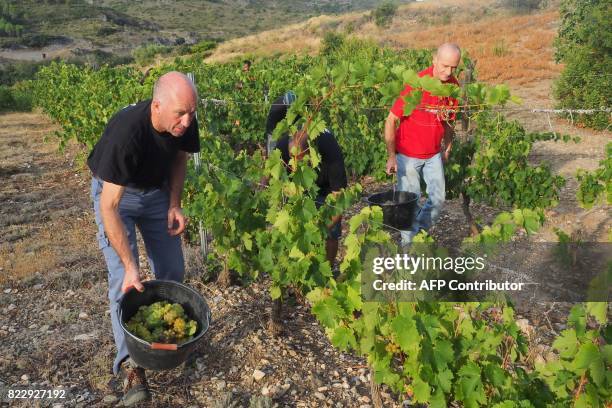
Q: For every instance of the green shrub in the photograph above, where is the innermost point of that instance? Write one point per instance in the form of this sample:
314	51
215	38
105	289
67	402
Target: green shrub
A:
100	58
144	55
203	46
37	40
23	96
16	98
332	41
384	13
6	98
584	45
11	73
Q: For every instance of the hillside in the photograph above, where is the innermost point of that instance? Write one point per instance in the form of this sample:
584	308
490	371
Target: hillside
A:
232	18
508	47
121	25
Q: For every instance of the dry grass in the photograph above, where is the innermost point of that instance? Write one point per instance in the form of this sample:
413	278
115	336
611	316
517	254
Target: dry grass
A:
46	250
298	39
43	225
527	40
514	49
98	373
19	261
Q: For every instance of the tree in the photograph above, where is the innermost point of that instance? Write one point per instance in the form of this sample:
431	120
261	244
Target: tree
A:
584	45
384	13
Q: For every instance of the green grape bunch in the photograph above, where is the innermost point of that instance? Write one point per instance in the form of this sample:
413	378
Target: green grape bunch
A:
162	322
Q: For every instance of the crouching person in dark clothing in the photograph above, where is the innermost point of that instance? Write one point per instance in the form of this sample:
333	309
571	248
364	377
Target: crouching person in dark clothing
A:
331	175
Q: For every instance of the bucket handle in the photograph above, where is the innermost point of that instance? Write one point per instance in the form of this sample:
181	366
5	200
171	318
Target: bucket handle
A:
209	318
164	346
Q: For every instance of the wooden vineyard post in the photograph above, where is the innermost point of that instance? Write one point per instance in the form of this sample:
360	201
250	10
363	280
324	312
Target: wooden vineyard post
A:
467	79
465	127
269	141
196	162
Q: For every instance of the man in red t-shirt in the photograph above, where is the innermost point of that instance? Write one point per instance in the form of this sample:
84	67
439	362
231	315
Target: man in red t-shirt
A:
415	147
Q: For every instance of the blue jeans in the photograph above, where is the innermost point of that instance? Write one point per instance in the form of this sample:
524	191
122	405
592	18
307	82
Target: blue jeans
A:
147	209
409	173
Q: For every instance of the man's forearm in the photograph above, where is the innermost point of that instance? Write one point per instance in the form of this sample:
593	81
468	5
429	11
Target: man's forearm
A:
177	179
117	235
390	137
449	135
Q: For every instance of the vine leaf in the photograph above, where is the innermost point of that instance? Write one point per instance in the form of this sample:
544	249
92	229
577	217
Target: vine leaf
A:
328	311
343	337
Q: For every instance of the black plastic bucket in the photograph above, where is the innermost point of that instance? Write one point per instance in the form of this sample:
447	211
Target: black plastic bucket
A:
398	207
159	356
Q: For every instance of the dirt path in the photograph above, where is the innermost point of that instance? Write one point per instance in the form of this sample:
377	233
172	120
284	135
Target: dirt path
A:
43	203
566	159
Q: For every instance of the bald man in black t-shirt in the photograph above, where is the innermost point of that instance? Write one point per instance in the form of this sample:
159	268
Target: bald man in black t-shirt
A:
138	168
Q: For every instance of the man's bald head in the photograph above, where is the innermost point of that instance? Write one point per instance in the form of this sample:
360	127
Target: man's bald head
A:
175	101
445	61
450	49
173	84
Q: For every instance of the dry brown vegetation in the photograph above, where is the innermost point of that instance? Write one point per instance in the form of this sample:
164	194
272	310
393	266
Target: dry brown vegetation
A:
515	49
44	222
52	251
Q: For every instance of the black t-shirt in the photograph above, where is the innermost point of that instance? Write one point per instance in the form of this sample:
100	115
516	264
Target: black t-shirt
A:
278	110
331	175
132	153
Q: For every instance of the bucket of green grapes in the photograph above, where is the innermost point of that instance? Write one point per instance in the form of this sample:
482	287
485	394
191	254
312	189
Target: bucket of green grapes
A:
163	324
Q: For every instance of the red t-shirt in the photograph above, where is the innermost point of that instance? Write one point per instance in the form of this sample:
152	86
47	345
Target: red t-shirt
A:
420	134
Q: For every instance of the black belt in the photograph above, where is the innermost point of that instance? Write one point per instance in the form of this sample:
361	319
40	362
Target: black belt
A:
132	188
136	189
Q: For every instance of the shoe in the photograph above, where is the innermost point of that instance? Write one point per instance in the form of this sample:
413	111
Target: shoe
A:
135	388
